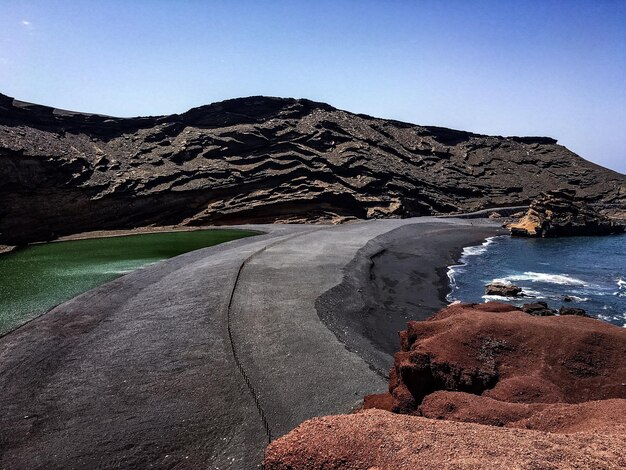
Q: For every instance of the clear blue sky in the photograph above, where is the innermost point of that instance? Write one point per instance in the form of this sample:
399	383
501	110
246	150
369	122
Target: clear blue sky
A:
525	67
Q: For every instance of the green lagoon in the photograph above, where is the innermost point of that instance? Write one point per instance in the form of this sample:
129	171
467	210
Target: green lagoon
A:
39	277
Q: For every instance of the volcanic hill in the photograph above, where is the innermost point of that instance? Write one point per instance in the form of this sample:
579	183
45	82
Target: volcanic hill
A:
262	159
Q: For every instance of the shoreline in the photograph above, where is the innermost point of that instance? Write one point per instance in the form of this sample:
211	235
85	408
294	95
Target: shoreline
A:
399	276
462	261
137	231
5	249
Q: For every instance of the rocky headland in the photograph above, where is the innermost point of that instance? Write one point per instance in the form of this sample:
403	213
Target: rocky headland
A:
559	213
262	159
498	351
483	386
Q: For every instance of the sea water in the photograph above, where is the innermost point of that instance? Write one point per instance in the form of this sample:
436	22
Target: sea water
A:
589	271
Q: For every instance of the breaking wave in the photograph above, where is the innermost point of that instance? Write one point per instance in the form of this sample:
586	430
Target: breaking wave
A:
562	279
583	272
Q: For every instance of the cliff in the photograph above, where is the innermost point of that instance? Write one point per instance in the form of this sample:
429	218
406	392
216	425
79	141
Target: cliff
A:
557	213
482	386
261	159
496	350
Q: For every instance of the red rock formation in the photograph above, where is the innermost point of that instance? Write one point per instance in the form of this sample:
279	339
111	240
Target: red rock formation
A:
498	351
377	439
599	415
379	401
496	388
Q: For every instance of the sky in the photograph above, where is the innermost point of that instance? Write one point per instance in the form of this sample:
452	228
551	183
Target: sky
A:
526	67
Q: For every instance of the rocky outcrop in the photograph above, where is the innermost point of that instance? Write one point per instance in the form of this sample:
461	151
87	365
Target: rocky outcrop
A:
598	416
539	309
557	213
379	440
484	386
573	311
505	290
261	159
498	351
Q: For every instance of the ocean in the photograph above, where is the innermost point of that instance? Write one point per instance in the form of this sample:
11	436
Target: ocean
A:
591	271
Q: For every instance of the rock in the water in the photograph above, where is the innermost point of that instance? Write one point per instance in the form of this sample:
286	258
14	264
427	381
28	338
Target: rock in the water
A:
505	290
573	311
558	213
539	309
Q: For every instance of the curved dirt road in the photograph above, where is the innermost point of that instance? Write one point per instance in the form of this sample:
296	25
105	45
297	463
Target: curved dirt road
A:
193	362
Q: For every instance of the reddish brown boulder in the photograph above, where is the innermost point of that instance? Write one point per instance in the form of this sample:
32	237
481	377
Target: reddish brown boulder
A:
600	415
379	401
498	351
377	439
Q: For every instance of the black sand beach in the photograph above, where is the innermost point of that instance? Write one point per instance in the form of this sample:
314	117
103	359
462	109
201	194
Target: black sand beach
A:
396	277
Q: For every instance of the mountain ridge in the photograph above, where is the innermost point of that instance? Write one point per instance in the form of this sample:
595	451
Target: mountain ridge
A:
218	105
262	159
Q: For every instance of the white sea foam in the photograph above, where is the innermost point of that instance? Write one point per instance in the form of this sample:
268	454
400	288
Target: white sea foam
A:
476	250
562	279
458	268
532	293
496	298
612	318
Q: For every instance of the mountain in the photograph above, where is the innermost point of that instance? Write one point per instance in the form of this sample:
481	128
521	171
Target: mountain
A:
262	159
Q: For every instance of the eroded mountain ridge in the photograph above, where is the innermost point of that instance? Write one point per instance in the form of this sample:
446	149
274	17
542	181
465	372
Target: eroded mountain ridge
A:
262	159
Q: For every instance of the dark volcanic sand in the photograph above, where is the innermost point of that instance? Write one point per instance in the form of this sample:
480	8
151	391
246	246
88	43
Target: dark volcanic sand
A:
140	373
397	277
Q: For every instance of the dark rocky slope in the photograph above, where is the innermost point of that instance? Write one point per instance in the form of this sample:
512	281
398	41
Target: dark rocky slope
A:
261	159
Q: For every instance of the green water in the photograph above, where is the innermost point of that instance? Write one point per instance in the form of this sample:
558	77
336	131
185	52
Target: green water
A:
34	279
